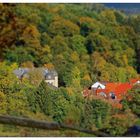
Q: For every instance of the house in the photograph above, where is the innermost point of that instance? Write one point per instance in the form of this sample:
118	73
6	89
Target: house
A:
111	92
114	90
50	76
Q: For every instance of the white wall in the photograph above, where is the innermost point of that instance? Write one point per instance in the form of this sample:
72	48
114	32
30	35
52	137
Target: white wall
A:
53	82
97	84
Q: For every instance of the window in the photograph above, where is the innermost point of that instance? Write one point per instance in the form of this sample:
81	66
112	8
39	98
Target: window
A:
102	94
112	95
49	77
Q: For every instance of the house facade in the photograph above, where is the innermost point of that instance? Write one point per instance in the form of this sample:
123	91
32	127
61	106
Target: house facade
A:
51	77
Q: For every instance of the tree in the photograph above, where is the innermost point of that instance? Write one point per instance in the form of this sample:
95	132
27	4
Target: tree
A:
75	77
96	42
119	123
59	45
96	114
89	25
134	22
15	55
27	64
63	27
131	72
108	16
120	17
77	43
8	80
97	63
3	103
36	76
133	101
11	27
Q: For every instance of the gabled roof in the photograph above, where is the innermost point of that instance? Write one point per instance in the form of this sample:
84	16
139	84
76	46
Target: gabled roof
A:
123	88
112	86
21	72
119	89
98	84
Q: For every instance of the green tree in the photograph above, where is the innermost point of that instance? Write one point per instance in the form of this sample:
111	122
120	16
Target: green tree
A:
96	114
63	27
132	100
77	43
120	123
108	16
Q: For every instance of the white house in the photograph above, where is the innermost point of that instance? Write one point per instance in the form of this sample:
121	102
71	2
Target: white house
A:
98	85
51	77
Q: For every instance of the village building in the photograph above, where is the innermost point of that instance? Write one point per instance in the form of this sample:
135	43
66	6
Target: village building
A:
50	76
111	90
114	90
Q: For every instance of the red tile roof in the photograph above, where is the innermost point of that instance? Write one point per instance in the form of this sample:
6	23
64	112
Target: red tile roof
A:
120	89
112	86
123	88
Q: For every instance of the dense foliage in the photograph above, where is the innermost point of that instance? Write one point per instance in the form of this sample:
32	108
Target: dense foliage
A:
84	43
103	42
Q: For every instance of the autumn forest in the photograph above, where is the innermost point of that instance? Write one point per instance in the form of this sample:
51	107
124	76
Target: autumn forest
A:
84	43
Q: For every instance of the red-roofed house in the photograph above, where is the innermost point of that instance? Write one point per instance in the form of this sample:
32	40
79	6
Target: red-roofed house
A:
114	90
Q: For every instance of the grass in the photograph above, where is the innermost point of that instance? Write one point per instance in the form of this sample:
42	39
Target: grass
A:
16	131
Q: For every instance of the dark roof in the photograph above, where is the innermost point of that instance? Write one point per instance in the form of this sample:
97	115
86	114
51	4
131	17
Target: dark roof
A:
21	72
49	76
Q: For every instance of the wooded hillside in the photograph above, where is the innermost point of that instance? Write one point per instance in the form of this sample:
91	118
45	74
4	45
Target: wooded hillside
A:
84	43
